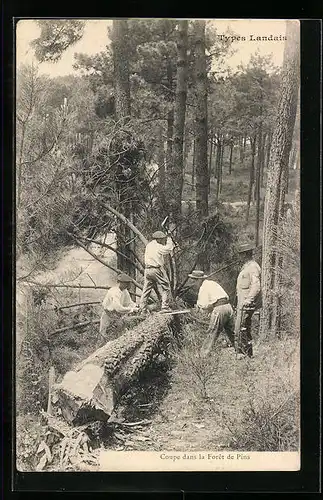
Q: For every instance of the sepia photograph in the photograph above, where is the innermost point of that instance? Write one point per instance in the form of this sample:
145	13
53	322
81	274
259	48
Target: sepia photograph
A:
157	290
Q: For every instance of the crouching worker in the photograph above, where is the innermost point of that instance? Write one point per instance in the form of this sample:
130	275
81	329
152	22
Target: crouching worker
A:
155	273
117	300
214	300
248	299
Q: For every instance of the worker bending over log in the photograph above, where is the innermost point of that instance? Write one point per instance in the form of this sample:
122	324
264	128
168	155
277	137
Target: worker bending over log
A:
155	273
117	300
215	301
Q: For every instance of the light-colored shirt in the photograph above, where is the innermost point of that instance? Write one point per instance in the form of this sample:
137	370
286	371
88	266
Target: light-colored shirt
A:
154	254
248	282
209	293
117	300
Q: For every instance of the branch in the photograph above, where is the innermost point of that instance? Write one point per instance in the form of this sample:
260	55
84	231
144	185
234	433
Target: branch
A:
181	286
78	304
125	221
45	193
109	247
79	325
74	327
46	152
59	285
99	259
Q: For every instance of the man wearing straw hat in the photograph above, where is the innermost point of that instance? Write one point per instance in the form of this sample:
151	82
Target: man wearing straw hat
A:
214	300
248	298
117	300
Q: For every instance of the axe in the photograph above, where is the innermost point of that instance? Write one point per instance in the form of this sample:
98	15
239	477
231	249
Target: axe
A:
164	226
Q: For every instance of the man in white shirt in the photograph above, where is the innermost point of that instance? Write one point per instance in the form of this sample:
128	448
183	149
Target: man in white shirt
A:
155	274
214	300
117	300
248	299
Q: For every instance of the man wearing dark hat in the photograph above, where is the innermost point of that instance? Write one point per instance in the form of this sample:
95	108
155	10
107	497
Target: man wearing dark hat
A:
214	300
155	274
248	298
117	300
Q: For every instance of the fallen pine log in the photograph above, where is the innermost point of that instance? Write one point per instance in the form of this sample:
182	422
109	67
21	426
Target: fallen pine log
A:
91	391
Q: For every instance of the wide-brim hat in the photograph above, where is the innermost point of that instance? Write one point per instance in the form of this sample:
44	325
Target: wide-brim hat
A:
246	247
159	235
197	274
124	278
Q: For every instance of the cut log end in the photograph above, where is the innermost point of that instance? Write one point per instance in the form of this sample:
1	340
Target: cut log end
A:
91	392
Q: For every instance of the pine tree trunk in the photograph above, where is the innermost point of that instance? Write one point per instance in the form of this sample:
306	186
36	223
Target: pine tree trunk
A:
279	155
122	111
269	141
186	153
176	173
241	151
92	390
262	165
161	174
251	175
277	290
217	169
193	165
230	159
201	120
169	144
221	163
258	180
210	163
202	173
121	69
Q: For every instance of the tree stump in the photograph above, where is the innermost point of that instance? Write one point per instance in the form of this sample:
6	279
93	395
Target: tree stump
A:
91	391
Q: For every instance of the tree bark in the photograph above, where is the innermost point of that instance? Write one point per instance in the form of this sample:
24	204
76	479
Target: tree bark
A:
91	391
258	180
121	69
161	174
278	271
262	165
230	159
251	175
193	164
186	152
122	111
279	154
176	173
244	144
202	174
241	151
217	168
210	162
169	144
221	163
269	141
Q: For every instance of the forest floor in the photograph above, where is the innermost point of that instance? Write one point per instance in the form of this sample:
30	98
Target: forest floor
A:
240	405
229	407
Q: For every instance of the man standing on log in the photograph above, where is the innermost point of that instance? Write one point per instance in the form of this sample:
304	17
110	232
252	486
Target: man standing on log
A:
248	299
214	300
117	300
155	274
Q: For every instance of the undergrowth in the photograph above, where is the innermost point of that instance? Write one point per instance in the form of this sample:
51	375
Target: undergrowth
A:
254	401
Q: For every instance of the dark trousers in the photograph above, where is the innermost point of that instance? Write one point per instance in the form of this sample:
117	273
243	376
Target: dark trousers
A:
243	331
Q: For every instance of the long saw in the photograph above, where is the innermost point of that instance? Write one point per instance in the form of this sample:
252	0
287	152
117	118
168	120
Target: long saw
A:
171	313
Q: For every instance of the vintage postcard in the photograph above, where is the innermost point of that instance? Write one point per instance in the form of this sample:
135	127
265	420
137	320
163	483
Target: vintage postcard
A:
158	250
